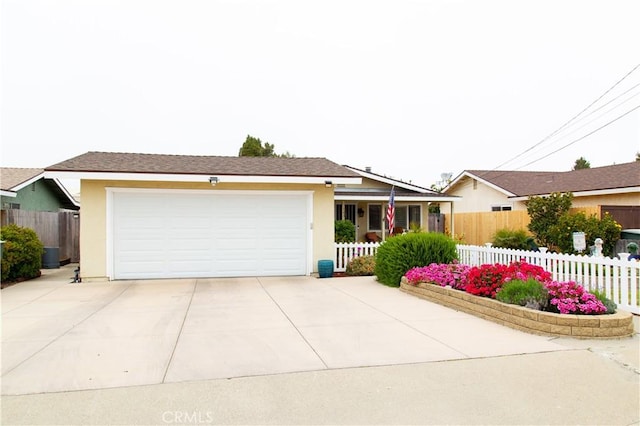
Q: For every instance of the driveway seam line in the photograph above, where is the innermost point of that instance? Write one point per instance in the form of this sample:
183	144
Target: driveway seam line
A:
184	319
31	301
67	331
293	324
399	320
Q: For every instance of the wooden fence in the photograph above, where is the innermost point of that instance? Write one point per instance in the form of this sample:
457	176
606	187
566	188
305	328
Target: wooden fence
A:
479	228
54	229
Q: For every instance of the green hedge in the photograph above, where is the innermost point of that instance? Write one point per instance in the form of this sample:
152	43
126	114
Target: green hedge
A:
21	253
398	254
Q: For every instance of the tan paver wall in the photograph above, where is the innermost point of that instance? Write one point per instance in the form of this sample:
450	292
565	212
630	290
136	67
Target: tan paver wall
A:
616	325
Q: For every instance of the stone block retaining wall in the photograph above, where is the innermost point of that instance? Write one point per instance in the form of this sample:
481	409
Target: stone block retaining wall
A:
615	325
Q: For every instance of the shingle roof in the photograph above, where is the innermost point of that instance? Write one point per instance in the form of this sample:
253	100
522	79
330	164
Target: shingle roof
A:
119	162
11	177
536	183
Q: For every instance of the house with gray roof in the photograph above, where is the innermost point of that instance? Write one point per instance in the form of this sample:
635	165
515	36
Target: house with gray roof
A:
28	189
365	205
166	216
177	216
611	189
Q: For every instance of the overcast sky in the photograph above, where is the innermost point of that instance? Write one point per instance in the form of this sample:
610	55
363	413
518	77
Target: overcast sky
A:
412	89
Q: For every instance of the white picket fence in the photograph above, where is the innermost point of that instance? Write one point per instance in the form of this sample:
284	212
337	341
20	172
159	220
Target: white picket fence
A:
347	251
618	279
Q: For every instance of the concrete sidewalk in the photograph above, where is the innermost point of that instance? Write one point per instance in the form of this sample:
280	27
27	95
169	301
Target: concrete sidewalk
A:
299	350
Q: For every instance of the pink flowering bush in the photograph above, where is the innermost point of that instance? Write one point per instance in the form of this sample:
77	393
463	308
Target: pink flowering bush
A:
571	298
443	274
487	280
521	270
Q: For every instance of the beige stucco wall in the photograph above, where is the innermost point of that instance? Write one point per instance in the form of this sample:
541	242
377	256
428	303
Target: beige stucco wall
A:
478	199
93	226
606	200
481	199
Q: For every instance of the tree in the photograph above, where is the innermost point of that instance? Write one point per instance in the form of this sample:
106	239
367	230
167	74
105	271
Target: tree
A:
252	147
544	213
581	163
637	156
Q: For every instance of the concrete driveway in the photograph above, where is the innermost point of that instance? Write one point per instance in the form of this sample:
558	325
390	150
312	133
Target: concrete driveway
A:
58	336
210	351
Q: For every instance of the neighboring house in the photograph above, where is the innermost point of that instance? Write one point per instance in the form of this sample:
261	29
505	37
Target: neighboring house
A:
613	189
166	216
366	204
31	200
28	189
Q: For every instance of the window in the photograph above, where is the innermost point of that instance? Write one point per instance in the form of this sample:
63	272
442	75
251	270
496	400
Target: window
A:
401	217
375	217
346	212
415	216
407	215
500	208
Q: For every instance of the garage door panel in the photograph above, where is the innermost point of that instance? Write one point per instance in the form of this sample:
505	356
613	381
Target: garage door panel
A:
209	235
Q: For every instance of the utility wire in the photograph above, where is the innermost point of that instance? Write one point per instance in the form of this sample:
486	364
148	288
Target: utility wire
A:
565	146
571	120
598	117
582	137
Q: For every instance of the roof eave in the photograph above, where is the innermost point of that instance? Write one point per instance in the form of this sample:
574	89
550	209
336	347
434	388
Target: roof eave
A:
28	182
613	191
407	198
199	178
485	182
389	181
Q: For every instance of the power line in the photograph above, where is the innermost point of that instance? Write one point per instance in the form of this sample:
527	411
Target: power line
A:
582	137
598	117
570	121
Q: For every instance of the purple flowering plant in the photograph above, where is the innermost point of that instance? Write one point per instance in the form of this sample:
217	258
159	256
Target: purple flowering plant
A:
443	274
564	297
571	298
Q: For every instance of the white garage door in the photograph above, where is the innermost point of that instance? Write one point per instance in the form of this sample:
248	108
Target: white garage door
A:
209	234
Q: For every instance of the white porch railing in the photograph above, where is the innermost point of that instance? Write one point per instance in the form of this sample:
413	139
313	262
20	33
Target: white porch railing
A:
618	279
347	251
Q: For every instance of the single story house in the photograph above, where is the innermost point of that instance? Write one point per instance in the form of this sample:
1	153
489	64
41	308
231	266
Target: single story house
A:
28	189
31	200
176	216
366	204
612	189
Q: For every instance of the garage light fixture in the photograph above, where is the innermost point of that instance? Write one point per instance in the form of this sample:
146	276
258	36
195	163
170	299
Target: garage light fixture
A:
213	180
328	183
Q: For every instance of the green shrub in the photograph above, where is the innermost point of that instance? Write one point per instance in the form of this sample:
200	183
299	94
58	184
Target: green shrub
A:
544	213
345	231
507	238
606	228
608	303
530	293
21	254
397	255
361	265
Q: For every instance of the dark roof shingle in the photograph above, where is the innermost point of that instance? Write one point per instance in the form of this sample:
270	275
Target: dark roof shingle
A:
523	183
117	162
10	177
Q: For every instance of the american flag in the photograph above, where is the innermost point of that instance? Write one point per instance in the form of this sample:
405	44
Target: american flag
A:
391	211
